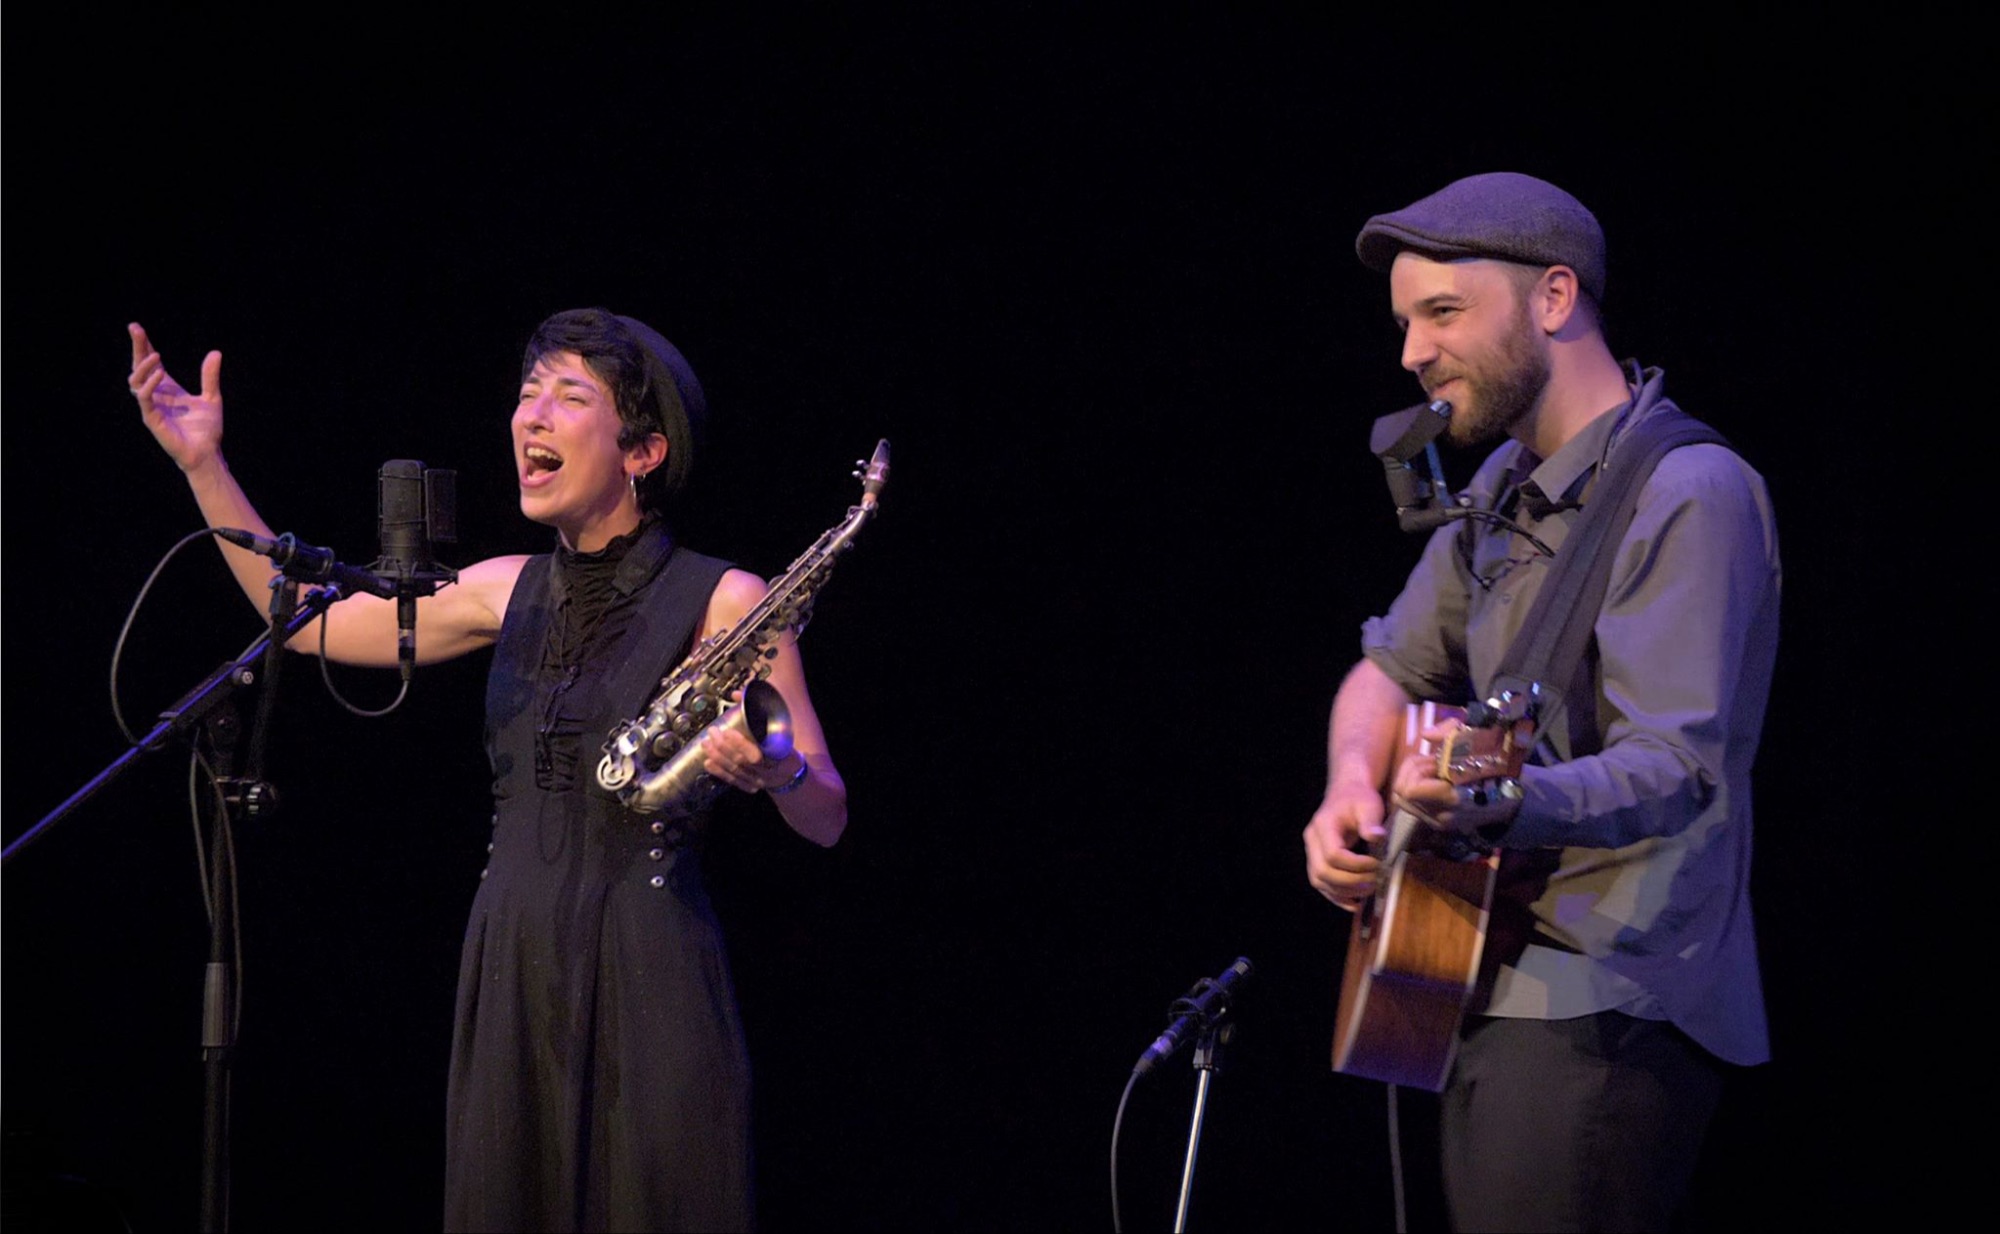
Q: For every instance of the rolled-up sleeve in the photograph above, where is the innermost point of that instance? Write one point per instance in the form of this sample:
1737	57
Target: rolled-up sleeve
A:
1420	641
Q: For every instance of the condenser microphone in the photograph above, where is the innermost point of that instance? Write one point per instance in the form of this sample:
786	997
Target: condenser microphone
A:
1205	1005
414	506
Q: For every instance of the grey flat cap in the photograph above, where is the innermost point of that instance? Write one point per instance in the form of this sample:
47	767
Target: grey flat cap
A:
1501	214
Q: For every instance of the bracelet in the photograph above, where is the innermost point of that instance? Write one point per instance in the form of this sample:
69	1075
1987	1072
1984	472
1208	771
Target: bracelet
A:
798	778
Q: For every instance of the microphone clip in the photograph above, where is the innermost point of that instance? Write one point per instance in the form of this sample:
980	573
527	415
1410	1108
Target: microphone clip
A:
1197	1013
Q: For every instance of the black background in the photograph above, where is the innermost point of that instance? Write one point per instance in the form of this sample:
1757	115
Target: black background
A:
1094	280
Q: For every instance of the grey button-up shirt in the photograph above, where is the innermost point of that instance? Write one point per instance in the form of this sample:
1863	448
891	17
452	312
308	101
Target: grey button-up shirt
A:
1628	866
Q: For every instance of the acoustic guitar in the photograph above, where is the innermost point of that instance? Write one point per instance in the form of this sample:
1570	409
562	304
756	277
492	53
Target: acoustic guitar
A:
1415	946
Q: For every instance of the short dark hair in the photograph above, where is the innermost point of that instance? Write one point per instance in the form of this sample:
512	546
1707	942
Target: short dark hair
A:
650	383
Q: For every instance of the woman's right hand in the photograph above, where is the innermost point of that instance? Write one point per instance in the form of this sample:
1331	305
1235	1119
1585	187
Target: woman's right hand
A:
187	426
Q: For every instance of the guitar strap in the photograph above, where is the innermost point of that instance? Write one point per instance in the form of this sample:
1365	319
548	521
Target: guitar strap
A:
1564	614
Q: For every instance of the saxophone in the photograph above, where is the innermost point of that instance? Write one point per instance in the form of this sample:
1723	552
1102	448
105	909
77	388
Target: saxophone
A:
654	763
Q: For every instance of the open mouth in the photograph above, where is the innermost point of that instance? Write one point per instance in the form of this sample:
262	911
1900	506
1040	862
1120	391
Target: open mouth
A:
536	459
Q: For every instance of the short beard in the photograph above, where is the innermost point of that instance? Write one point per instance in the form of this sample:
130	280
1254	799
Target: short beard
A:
1504	396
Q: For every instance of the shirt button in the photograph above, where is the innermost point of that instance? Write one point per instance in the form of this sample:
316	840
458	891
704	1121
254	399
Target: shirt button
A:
659	829
657	854
482	875
658	880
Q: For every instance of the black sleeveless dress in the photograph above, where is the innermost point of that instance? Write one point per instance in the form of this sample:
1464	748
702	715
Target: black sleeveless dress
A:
598	1075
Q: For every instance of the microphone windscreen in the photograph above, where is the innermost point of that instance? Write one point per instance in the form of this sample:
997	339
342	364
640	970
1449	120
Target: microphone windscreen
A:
1400	435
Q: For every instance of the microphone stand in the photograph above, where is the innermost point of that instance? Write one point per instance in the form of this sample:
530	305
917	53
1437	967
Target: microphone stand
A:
177	720
1207	1061
254	799
209	706
218	985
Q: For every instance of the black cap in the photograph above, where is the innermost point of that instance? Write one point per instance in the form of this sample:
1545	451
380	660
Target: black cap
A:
1501	214
693	403
684	420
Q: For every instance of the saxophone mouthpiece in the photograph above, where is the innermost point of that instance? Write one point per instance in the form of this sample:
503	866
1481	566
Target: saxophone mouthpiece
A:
874	474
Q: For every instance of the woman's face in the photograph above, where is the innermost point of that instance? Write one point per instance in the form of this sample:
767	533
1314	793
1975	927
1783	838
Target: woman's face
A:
573	475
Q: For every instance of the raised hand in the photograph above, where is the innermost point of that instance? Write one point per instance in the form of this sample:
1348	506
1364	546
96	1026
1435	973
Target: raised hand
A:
187	426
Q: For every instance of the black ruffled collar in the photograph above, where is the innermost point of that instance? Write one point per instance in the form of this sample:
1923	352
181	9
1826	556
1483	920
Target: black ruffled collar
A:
611	554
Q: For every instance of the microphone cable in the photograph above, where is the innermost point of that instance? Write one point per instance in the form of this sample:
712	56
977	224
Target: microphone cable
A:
199	770
402	691
1449	514
1117	1124
1396	1165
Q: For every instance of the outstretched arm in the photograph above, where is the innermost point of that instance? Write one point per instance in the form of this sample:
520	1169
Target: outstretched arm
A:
360	629
817	807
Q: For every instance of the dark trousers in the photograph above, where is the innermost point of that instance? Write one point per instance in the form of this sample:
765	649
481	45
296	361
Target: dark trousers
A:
1593	1123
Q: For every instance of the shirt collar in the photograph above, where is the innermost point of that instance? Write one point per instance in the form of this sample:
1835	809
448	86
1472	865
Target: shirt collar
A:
1561	477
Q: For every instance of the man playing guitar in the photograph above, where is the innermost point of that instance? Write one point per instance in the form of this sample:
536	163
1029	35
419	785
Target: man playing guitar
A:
1620	975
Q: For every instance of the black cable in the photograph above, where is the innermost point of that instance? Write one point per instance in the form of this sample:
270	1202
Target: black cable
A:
1117	1124
199	767
1396	1164
124	631
131	617
1499	520
334	690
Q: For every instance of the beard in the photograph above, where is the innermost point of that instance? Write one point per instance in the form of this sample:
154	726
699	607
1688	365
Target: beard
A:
1503	390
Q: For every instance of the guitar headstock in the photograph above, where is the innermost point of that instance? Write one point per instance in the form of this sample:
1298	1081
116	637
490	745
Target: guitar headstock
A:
1495	739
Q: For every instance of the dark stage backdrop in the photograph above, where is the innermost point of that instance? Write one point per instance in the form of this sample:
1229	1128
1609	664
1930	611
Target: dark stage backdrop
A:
1097	287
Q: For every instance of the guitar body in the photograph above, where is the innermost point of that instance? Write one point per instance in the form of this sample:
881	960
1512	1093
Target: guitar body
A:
1412	960
1415	947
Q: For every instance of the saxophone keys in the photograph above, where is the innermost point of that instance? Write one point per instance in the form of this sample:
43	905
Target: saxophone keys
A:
614	773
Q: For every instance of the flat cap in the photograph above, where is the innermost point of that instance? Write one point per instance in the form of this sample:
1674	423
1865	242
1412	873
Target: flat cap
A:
1500	214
